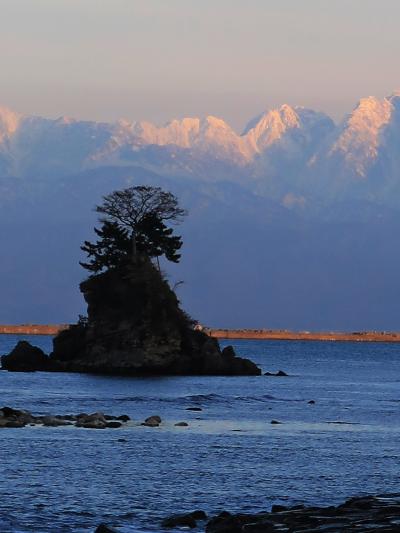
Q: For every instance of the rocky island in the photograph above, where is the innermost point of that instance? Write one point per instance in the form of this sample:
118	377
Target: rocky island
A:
134	324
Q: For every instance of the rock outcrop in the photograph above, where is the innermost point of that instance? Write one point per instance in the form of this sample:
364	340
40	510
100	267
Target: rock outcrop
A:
18	418
135	326
363	514
25	358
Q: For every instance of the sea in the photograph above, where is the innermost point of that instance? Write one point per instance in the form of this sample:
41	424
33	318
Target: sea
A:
230	457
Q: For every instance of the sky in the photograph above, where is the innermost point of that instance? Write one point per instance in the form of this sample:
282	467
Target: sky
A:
160	59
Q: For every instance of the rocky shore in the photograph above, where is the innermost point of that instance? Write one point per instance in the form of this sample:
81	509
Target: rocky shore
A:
18	418
360	514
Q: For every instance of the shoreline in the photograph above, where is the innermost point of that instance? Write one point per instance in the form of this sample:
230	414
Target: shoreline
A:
286	335
32	329
249	334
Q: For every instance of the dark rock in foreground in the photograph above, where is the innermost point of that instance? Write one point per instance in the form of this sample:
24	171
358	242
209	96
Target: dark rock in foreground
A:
17	418
135	326
363	514
188	520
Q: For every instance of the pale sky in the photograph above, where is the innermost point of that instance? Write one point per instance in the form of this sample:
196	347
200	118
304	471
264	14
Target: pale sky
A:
160	59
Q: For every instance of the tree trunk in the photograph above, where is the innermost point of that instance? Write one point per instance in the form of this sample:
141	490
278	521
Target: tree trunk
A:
134	252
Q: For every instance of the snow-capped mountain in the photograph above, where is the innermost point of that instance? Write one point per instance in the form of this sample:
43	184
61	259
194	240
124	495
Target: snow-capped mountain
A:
288	150
187	146
288	223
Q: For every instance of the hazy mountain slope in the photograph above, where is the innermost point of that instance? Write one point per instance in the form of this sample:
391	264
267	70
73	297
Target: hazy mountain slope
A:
292	224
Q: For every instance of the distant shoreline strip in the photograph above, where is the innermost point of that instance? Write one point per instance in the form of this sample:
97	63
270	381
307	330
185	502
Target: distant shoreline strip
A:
285	335
250	334
32	329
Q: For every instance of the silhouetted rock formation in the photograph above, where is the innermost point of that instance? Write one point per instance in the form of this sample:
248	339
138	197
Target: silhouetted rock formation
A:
25	358
135	326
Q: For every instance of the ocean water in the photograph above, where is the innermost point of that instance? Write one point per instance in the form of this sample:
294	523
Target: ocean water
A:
230	457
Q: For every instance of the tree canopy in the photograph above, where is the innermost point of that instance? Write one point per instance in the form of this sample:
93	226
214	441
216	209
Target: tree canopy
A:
134	221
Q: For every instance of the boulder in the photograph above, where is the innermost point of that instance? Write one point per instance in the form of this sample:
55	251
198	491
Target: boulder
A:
25	358
184	520
93	421
114	424
181	424
53	421
123	418
152	421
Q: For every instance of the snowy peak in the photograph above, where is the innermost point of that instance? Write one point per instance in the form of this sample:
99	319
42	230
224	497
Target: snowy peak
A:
9	122
211	134
178	132
282	146
360	137
183	133
270	127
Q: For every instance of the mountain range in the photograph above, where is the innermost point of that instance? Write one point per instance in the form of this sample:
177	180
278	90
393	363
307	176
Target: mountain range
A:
293	222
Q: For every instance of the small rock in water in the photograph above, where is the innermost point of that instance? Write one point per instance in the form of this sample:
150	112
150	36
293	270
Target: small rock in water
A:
103	528
93	421
278	508
311	402
184	520
275	422
181	424
124	418
279	374
152	421
55	421
199	515
114	424
194	409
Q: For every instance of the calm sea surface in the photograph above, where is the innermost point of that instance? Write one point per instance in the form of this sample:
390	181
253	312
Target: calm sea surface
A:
230	457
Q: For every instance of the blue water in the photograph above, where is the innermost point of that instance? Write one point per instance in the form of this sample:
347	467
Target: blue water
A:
230	457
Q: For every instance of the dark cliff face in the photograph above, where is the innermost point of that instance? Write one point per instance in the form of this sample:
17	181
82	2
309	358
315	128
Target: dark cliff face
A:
135	326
